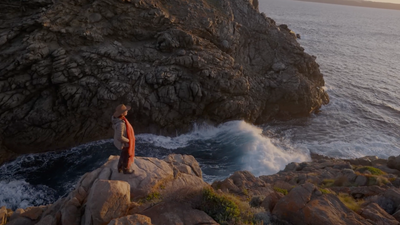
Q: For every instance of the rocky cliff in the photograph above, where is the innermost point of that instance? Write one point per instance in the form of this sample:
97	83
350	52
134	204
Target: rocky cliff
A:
364	191
66	64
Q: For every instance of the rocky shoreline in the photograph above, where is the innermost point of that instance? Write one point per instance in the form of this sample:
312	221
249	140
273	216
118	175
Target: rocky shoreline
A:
171	191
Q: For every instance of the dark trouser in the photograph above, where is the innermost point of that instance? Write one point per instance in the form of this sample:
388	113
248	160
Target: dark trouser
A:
123	159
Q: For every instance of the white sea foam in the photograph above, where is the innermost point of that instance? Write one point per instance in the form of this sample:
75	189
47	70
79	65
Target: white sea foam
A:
20	194
263	155
255	152
199	132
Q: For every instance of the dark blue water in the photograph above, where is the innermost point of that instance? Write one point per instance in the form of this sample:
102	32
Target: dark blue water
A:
358	50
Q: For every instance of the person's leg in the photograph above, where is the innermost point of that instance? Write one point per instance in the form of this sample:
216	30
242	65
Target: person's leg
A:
121	162
125	160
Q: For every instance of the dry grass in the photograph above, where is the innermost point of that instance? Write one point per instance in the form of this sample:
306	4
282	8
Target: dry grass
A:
350	202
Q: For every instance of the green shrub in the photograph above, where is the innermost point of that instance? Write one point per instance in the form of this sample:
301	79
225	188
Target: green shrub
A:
281	190
219	207
152	197
373	170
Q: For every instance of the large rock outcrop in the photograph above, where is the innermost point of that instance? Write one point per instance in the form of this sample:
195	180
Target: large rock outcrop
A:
105	196
171	191
66	64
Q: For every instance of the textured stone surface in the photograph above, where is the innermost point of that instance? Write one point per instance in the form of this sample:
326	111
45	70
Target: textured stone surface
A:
131	220
107	200
3	215
394	162
104	194
243	183
65	65
177	213
305	205
378	215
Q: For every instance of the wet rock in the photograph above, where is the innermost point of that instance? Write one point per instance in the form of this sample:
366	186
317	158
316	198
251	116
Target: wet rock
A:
291	167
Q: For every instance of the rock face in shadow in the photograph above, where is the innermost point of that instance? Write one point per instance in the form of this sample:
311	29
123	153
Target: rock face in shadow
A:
66	64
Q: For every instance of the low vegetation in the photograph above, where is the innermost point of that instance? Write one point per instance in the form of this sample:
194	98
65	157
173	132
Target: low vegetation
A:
153	197
350	202
328	182
281	190
325	191
225	208
371	169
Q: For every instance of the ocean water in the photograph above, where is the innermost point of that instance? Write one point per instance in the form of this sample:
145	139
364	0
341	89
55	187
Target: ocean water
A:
358	50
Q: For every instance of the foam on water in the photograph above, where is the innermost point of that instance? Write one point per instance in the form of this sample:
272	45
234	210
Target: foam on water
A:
41	178
20	194
237	141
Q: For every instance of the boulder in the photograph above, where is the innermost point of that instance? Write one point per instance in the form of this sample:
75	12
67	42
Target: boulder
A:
3	215
243	183
149	172
21	221
131	220
290	207
366	191
291	167
396	215
48	220
349	174
177	213
17	213
306	205
328	209
394	162
107	200
116	190
393	194
185	164
378	215
33	213
270	201
361	180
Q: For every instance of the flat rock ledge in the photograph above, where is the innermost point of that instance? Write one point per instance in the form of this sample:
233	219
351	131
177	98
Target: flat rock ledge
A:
363	191
65	65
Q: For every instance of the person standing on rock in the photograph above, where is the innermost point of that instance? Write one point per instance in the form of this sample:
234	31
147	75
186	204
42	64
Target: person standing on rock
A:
124	138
